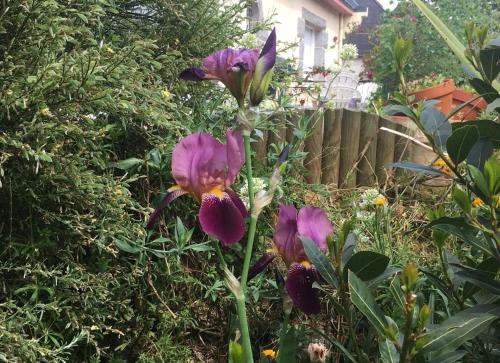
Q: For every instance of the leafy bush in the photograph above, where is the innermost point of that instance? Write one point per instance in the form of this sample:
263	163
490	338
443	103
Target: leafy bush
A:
430	53
83	85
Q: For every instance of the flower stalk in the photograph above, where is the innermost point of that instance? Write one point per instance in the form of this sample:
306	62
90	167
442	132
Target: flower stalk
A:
253	216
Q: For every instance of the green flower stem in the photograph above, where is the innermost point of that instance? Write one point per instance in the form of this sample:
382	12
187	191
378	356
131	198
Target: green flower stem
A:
220	255
248	252
245	333
405	350
248	164
253	218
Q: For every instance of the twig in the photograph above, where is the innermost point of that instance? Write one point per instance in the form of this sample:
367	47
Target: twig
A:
150	283
408	137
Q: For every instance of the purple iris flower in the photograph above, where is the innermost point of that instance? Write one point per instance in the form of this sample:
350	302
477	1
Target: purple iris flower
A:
238	68
206	168
309	222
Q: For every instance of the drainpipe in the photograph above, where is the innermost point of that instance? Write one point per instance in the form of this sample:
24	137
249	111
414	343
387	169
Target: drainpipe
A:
341	34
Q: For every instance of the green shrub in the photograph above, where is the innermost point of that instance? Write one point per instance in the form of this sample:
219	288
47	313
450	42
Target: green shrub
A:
84	85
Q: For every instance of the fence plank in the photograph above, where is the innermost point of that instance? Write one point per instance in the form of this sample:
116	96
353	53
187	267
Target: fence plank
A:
367	150
292	124
277	132
260	147
349	145
385	150
331	147
313	147
403	148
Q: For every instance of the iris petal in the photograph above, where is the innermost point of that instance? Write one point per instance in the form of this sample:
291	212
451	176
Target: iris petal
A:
261	264
285	234
193	74
237	202
221	218
299	286
235	152
172	194
313	223
263	70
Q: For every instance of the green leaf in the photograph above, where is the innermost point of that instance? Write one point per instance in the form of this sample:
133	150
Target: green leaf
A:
126	247
477	277
320	261
236	353
437	125
489	93
388	352
288	347
419	168
367	265
458	227
461	198
488	266
397	292
490	61
488	129
363	299
479	180
453	332
127	163
200	247
395	109
82	17
492	174
449	357
349	246
480	152
460	143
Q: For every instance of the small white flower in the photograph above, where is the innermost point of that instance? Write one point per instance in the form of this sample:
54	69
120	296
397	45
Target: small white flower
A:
348	52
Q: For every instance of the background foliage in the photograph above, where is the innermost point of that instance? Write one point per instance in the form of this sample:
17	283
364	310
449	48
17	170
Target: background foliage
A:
430	54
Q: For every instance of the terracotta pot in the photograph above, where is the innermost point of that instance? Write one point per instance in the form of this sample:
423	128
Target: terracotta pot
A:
469	112
442	92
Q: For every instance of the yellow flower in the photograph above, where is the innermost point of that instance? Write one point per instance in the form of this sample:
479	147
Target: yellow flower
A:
477	202
441	165
166	93
380	201
110	50
269	353
46	112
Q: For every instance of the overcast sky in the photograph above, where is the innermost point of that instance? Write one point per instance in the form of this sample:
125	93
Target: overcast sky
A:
387	3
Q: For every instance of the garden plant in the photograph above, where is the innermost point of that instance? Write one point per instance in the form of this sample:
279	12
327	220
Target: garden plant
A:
102	123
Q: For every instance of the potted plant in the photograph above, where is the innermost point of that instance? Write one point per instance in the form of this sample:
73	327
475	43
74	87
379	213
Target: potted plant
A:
433	87
472	110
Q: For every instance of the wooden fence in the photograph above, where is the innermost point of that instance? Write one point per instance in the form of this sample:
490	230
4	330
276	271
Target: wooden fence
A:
345	148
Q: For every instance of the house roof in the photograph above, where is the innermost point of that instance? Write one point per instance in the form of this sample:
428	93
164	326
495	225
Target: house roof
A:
361	36
339	6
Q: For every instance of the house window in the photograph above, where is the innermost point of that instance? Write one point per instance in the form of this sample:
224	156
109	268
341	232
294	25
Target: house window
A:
308	60
253	15
314	40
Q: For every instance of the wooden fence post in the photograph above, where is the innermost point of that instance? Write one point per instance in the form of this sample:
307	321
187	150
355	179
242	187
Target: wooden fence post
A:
260	147
385	150
277	132
313	147
349	146
403	147
292	124
331	147
367	149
